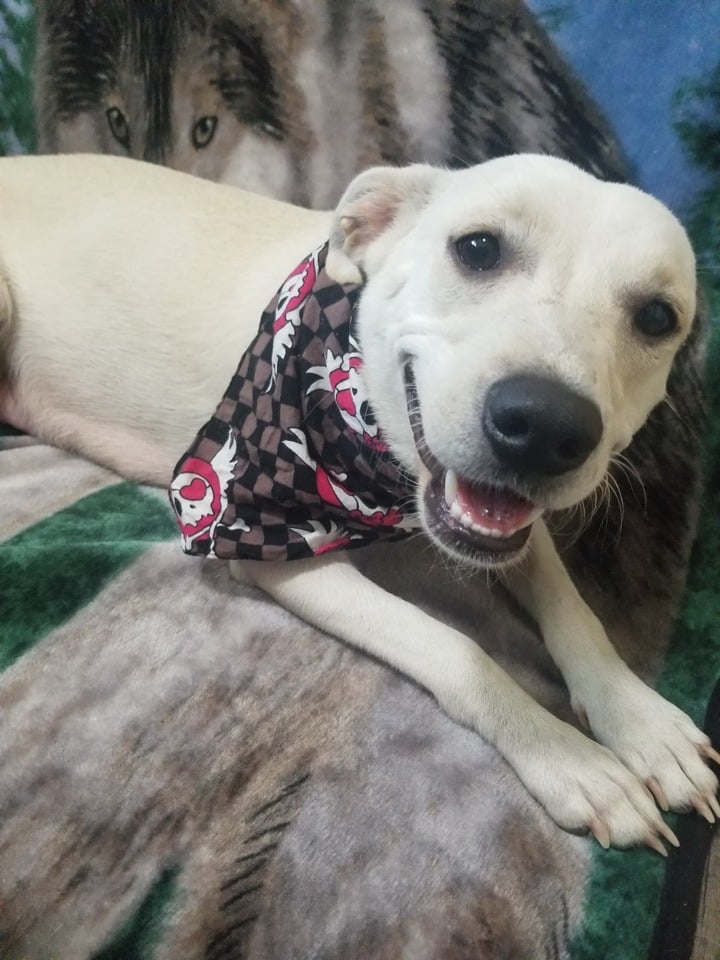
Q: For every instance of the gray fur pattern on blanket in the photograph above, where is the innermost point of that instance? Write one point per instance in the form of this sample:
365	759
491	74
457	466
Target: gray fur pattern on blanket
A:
311	802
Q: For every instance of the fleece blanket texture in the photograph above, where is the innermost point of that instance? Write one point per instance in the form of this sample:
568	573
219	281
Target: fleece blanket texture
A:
189	772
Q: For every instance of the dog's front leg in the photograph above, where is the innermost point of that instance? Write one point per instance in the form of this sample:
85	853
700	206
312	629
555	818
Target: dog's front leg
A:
655	739
581	784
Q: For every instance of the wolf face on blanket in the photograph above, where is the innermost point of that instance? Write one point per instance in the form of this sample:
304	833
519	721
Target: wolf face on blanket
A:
292	99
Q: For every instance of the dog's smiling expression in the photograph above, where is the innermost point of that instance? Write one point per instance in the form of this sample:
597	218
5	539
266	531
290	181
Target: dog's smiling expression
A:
518	326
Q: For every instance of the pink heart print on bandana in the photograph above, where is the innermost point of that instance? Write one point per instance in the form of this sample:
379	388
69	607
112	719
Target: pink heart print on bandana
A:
199	493
293	464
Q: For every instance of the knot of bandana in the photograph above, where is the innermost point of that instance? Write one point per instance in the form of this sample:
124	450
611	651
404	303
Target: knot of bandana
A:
292	464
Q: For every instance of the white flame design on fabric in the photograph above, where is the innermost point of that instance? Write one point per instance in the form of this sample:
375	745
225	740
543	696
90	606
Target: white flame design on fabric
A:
288	310
342	376
323	536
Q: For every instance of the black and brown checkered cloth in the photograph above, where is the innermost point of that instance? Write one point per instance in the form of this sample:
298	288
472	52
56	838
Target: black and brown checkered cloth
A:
292	464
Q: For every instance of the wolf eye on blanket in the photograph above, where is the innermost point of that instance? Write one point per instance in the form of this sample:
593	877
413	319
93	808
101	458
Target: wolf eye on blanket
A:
498	389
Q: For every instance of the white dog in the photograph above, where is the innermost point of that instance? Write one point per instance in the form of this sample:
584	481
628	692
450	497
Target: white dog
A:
518	321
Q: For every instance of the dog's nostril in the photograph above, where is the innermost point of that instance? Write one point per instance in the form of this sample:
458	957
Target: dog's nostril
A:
513	425
570	450
538	425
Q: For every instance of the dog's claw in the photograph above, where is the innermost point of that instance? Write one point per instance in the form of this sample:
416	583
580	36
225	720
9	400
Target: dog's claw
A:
703	809
658	793
601	833
710	753
715	806
665	831
652	841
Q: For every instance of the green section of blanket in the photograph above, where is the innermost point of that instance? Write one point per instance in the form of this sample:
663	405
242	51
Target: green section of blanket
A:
137	939
17	34
69	557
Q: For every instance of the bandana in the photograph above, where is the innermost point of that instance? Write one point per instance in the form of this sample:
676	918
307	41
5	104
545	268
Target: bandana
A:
292	464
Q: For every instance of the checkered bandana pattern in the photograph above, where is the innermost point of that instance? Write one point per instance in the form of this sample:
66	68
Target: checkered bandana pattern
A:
292	464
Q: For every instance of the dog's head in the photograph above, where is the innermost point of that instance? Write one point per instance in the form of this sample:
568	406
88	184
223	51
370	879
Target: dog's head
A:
518	325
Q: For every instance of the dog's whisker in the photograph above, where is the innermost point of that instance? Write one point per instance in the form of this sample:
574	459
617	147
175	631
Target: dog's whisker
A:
634	479
592	504
311	408
600	500
567	526
614	506
615	493
669	403
588	509
627	465
450	565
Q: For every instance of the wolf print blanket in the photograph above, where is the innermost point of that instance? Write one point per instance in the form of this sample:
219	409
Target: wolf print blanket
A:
187	771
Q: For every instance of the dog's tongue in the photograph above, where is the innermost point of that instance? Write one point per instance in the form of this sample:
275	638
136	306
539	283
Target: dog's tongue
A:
500	511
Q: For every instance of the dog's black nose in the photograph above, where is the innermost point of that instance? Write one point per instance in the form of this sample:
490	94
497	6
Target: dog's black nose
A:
538	425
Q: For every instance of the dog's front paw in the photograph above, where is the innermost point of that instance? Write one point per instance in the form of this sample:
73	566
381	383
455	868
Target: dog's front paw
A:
659	743
583	786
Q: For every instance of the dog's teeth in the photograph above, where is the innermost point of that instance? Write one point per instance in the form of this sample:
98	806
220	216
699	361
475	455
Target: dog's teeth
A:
451	488
456	510
485	519
467	521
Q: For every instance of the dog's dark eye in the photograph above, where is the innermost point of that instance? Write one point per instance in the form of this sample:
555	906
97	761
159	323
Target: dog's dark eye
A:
478	251
203	132
118	126
656	319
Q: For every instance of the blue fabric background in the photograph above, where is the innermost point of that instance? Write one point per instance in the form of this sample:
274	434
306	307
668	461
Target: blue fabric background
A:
634	56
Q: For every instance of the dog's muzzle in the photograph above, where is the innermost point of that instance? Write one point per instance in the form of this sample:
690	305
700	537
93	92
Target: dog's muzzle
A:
486	524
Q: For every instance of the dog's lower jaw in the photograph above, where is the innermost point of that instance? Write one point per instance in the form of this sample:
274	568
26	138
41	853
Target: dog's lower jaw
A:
465	540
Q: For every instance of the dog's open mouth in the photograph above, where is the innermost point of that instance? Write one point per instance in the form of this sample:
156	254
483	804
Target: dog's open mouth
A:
481	521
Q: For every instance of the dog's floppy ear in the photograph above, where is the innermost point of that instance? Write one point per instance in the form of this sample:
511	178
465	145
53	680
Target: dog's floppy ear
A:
376	200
